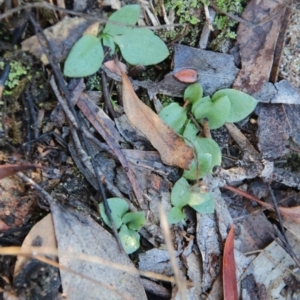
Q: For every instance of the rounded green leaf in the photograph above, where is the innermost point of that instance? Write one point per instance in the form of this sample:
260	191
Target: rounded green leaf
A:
206	145
199	168
180	193
190	131
85	58
174	115
202	202
127	15
108	42
130	239
175	215
193	92
134	220
208	154
118	208
141	46
241	104
217	112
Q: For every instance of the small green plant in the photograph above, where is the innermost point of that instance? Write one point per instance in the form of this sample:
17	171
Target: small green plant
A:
137	45
183	194
128	223
227	105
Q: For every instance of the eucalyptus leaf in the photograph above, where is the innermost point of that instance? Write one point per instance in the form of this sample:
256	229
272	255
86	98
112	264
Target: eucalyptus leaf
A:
85	58
202	202
199	167
140	46
134	220
241	104
118	208
130	239
217	112
193	92
127	15
174	115
175	215
180	193
109	42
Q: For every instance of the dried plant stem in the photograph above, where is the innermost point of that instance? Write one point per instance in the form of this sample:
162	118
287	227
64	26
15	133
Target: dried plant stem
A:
180	282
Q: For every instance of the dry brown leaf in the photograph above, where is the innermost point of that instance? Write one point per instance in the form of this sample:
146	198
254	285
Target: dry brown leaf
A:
229	271
62	36
111	65
291	213
170	146
42	231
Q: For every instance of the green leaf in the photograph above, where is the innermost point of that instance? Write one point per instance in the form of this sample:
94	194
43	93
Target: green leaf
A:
130	239
193	92
190	131
208	154
174	115
217	112
141	46
241	104
175	215
127	15
199	168
85	58
109	42
202	202
206	145
134	220
180	193
118	208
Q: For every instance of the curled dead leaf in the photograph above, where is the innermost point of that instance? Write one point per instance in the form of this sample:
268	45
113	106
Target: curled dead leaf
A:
170	146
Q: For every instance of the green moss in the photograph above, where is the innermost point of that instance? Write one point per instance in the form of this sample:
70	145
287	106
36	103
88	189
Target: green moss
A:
93	83
224	23
16	74
184	10
166	100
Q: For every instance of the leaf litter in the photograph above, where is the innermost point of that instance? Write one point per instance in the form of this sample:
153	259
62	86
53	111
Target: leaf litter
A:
213	226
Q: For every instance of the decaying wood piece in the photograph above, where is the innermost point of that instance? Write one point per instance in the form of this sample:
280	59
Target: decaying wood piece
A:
257	43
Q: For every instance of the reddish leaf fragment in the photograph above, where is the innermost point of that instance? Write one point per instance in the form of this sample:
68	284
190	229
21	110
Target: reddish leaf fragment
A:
111	65
9	170
186	75
229	274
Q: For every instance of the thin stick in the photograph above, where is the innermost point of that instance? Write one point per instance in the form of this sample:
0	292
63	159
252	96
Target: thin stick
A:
250	197
277	212
34	251
106	95
180	282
